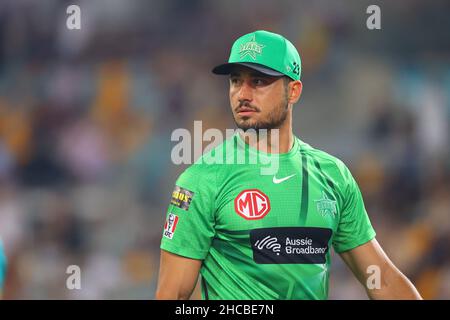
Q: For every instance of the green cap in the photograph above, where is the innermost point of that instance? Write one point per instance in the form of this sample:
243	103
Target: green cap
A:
266	52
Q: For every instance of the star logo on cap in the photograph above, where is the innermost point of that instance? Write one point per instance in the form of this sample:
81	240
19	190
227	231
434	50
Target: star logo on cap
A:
251	48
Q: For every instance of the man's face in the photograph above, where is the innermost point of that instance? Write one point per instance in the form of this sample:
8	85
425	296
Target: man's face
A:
258	101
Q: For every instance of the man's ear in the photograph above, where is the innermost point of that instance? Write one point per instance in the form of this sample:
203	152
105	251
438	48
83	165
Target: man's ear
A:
295	91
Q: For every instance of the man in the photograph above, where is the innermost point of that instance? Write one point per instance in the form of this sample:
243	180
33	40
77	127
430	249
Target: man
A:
257	236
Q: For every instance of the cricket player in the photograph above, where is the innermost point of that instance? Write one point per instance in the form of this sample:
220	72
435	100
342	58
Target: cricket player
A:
268	236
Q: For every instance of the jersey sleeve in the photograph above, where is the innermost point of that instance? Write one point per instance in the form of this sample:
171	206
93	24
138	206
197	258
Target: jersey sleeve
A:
354	228
190	219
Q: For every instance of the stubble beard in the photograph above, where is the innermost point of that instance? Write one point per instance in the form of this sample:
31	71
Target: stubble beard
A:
274	119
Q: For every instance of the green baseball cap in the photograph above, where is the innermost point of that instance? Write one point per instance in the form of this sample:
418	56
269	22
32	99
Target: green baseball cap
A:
266	52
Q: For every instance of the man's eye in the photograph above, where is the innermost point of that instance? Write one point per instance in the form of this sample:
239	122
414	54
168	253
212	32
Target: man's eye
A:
259	82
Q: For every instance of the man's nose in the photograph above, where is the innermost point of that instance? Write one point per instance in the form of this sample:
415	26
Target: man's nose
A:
245	92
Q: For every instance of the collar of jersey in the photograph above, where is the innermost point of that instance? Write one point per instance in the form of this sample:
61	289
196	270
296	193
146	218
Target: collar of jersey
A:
295	148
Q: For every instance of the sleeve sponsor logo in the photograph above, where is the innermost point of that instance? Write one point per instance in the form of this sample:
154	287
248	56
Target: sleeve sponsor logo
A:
181	198
290	245
170	225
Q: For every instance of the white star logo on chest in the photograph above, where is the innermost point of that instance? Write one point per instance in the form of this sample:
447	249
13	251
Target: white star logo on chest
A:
326	206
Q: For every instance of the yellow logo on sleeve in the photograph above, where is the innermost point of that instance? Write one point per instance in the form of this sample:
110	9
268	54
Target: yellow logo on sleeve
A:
181	198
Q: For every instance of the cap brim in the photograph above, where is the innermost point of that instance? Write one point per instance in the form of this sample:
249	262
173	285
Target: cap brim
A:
226	68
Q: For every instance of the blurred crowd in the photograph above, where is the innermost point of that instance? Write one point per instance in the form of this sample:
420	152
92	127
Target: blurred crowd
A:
86	118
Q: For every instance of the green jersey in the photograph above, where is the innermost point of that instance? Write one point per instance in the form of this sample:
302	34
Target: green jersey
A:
265	236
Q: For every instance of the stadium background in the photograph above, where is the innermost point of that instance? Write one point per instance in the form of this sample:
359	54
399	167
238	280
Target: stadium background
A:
86	117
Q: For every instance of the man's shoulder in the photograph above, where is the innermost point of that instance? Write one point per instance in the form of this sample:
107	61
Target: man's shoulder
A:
212	160
323	160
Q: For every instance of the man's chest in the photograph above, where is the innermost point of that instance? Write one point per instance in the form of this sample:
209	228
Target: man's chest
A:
292	197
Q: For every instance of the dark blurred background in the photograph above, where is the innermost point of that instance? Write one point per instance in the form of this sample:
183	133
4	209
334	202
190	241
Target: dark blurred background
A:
86	117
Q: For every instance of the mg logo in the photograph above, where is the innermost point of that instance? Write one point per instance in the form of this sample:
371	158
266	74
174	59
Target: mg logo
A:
252	204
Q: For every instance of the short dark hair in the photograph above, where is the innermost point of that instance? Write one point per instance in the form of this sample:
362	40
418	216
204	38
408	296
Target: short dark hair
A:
287	80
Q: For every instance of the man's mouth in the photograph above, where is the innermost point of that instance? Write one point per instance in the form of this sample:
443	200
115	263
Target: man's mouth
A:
245	111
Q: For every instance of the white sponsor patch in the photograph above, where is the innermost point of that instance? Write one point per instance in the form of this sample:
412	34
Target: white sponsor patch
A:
170	225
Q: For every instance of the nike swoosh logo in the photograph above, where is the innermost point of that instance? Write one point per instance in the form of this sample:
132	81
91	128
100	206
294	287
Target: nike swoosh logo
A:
276	181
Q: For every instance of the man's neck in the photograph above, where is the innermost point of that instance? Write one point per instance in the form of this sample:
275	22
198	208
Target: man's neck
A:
275	141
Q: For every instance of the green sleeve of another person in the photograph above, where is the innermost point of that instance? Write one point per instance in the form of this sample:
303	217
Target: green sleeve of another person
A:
2	267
